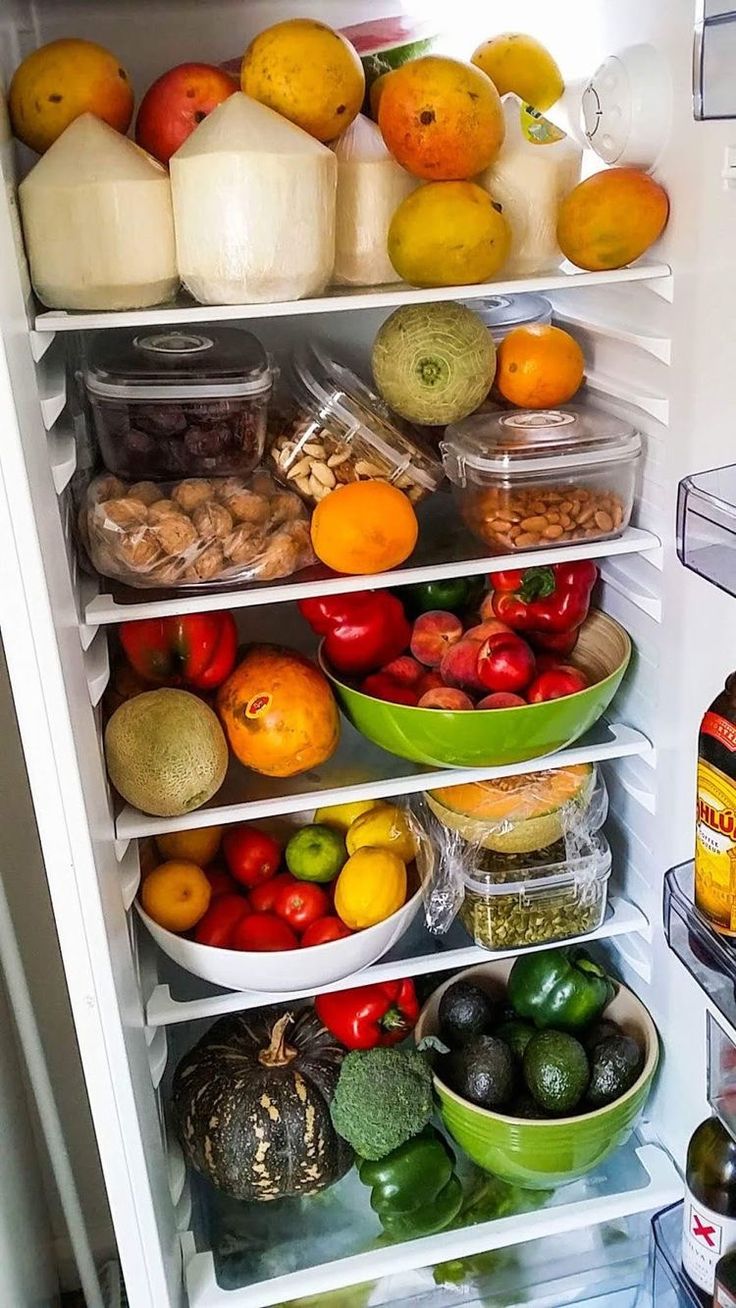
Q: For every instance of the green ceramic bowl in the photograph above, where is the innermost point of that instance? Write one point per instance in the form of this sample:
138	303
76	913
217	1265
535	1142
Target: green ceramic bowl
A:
536	1154
491	737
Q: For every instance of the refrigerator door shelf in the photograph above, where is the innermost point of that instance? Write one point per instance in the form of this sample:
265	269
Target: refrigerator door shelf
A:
670	1287
332	1244
706	525
708	957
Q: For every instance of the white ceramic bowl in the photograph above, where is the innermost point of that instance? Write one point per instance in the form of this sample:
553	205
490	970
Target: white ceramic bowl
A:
293	969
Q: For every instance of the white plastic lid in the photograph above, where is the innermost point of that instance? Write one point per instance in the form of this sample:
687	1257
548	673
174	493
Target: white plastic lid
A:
501	313
537	440
590	862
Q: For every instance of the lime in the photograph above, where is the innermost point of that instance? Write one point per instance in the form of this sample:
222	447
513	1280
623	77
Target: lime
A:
315	853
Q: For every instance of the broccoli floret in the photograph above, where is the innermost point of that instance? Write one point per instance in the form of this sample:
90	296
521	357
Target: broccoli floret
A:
383	1097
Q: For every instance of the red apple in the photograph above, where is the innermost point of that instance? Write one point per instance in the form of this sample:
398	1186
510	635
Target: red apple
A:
501	699
176	103
505	662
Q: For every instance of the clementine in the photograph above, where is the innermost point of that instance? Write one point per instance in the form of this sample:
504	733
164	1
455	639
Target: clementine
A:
365	526
198	846
176	895
539	367
611	218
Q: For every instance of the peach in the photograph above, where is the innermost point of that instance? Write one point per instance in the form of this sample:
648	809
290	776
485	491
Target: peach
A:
405	670
459	667
445	698
501	699
490	627
434	632
487	611
430	681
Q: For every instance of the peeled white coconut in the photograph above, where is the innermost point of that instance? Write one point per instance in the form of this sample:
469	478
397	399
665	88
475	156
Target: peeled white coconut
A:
254	207
370	188
98	222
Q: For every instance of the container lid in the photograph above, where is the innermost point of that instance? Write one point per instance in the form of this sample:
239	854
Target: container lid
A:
341	401
152	364
552	869
501	313
537	440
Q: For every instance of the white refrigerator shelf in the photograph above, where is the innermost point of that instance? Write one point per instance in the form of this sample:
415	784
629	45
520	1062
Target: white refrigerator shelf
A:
416	954
360	770
338	299
331	1243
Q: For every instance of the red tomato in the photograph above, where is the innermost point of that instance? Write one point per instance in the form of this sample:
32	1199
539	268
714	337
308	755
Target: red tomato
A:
302	904
263	897
556	684
324	930
505	662
221	882
251	854
218	925
263	932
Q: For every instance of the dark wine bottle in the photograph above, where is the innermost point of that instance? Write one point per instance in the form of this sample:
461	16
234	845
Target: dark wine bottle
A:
709	1219
724	1292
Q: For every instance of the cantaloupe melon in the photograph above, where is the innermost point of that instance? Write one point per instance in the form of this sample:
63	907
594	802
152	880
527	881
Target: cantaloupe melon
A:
166	752
514	815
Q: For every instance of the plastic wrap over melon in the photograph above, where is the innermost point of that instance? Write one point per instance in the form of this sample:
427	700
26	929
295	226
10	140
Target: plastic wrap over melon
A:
254	207
529	179
370	188
98	222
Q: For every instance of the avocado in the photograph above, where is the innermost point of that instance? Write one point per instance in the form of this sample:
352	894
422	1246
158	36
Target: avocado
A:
525	1106
516	1034
482	1071
615	1064
556	1070
599	1031
465	1011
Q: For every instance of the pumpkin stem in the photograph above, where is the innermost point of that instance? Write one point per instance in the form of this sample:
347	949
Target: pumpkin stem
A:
278	1054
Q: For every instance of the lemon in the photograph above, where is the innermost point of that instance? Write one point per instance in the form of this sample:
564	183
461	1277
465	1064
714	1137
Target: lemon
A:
343	815
519	63
384	827
448	234
371	886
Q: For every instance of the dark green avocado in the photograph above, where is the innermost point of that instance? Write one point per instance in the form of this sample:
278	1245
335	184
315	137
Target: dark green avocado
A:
524	1106
516	1034
556	1070
599	1031
481	1071
615	1064
465	1011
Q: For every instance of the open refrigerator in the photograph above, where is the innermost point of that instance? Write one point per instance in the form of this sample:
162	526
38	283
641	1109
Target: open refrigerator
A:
658	345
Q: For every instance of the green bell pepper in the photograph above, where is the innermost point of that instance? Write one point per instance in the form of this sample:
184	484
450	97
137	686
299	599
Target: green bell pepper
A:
562	988
410	1176
452	594
430	1218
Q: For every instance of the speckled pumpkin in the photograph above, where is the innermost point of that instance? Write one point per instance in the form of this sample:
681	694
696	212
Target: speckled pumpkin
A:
251	1103
278	711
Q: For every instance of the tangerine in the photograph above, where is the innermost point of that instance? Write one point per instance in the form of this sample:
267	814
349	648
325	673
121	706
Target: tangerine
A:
198	846
176	895
539	366
363	527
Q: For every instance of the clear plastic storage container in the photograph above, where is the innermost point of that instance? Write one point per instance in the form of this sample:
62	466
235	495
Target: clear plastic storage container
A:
337	431
535	478
502	313
169	404
513	901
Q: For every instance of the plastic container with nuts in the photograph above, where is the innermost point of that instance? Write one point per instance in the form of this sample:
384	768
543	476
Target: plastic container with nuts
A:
513	901
337	431
194	533
169	404
531	479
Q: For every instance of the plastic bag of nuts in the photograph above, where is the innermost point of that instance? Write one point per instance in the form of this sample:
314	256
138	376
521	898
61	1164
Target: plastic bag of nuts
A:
196	532
334	430
534	479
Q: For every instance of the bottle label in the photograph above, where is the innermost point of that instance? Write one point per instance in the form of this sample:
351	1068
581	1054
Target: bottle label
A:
705	1236
715	837
722	1298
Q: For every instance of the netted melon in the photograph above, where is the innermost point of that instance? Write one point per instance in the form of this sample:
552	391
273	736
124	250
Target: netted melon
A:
515	815
434	363
166	752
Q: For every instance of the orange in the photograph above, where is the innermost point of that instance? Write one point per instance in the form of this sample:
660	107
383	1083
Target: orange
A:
366	526
198	846
176	895
441	119
60	81
611	218
539	367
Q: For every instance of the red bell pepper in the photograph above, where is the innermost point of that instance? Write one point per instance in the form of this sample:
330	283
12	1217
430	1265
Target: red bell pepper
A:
381	1014
194	649
362	631
545	600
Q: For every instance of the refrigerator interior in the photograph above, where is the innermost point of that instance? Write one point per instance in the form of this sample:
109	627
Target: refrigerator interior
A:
657	351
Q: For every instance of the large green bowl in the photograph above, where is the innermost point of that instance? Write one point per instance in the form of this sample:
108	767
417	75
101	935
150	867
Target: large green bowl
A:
536	1154
490	737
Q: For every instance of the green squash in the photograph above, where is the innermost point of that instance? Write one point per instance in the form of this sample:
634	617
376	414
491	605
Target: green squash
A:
251	1104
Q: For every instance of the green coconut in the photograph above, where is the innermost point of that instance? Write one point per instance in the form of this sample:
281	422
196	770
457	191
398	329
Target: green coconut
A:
434	363
166	752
